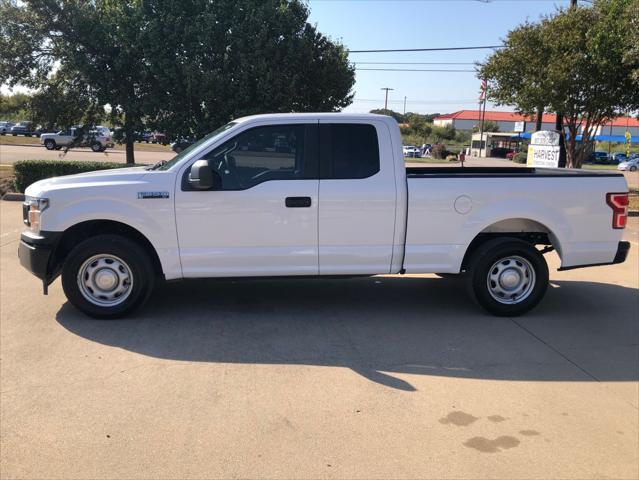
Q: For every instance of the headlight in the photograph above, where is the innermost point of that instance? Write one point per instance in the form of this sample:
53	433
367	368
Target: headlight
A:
32	210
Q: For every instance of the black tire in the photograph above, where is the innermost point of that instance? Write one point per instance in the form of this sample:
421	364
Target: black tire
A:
96	147
486	261
49	144
133	256
633	169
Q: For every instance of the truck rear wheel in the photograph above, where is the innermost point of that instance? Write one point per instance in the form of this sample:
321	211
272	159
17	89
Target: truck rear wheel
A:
107	276
507	276
96	147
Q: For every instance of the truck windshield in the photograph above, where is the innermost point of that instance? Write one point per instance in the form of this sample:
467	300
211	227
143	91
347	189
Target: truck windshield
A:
186	151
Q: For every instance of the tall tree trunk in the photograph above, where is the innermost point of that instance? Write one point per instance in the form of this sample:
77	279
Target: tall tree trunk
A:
129	138
540	117
571	153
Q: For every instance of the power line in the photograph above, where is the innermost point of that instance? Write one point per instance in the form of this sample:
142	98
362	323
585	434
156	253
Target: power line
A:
431	102
414	63
439	49
415	70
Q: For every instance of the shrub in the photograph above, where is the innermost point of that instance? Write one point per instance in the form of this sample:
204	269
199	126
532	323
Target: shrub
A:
30	171
439	151
520	157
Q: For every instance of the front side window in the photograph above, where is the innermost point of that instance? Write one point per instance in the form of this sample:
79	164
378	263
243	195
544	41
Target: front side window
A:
262	154
349	151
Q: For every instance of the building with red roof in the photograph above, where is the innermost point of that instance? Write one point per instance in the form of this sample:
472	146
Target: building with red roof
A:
467	119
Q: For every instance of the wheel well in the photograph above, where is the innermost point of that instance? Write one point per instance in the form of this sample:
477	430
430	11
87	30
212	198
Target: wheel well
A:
82	231
523	229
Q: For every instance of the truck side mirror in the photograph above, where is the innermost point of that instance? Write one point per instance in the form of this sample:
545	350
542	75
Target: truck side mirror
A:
202	177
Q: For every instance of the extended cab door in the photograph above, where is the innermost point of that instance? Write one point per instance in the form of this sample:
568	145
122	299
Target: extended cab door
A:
357	198
262	220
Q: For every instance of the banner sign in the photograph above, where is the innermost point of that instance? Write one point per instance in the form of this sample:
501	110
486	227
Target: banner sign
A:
544	149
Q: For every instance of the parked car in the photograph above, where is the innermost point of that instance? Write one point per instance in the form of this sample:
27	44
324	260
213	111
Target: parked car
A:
412	151
629	165
39	130
158	137
144	136
341	201
22	128
600	158
618	157
5	127
182	144
97	139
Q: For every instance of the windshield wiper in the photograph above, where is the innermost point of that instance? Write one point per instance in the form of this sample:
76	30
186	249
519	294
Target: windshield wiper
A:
157	165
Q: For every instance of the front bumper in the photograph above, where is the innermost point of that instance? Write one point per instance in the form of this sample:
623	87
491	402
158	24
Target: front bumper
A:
622	253
35	253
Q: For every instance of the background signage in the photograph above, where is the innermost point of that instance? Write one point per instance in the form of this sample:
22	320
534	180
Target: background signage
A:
544	150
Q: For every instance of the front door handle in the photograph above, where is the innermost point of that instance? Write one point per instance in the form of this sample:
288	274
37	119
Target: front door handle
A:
298	202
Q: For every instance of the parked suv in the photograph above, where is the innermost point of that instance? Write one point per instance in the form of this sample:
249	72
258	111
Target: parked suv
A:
98	139
22	128
599	157
5	127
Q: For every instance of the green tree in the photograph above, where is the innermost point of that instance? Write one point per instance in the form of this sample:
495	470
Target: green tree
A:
400	118
577	62
184	67
63	102
15	107
215	61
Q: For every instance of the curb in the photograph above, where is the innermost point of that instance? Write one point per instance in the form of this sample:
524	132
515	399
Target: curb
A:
21	145
13	197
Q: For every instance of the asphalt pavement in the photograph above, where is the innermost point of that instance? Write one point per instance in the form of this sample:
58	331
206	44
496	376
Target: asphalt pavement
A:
383	377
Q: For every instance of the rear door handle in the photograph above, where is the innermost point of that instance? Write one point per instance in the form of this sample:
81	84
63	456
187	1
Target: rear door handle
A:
298	202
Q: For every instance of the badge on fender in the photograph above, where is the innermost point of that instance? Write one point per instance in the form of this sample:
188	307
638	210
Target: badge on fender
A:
142	195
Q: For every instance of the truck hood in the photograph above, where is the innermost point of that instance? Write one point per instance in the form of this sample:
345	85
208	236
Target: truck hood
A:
89	179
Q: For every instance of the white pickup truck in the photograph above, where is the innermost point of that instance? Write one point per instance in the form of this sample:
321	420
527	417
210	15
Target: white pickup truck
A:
286	195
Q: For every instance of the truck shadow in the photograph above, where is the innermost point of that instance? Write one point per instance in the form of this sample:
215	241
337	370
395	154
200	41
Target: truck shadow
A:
382	326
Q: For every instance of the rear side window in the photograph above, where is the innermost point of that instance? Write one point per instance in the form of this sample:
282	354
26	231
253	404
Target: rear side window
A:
348	151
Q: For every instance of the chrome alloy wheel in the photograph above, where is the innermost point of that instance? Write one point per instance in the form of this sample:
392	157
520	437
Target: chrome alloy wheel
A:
511	280
105	280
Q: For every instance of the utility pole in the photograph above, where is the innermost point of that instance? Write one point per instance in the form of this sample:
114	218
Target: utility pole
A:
386	101
404	105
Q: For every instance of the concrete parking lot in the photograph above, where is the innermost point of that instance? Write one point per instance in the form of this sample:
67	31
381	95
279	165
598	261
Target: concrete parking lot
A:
384	377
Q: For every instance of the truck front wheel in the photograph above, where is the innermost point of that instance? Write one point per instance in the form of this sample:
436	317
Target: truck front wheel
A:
49	144
107	276
507	276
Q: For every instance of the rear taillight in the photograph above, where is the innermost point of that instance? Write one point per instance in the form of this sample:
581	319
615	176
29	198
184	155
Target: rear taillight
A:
619	204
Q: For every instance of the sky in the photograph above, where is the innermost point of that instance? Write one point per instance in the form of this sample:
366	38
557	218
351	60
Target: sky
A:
401	24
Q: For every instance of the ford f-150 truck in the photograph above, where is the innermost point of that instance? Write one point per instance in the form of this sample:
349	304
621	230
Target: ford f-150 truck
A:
316	195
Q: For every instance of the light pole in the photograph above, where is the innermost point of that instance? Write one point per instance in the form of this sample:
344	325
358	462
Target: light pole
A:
386	101
404	105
